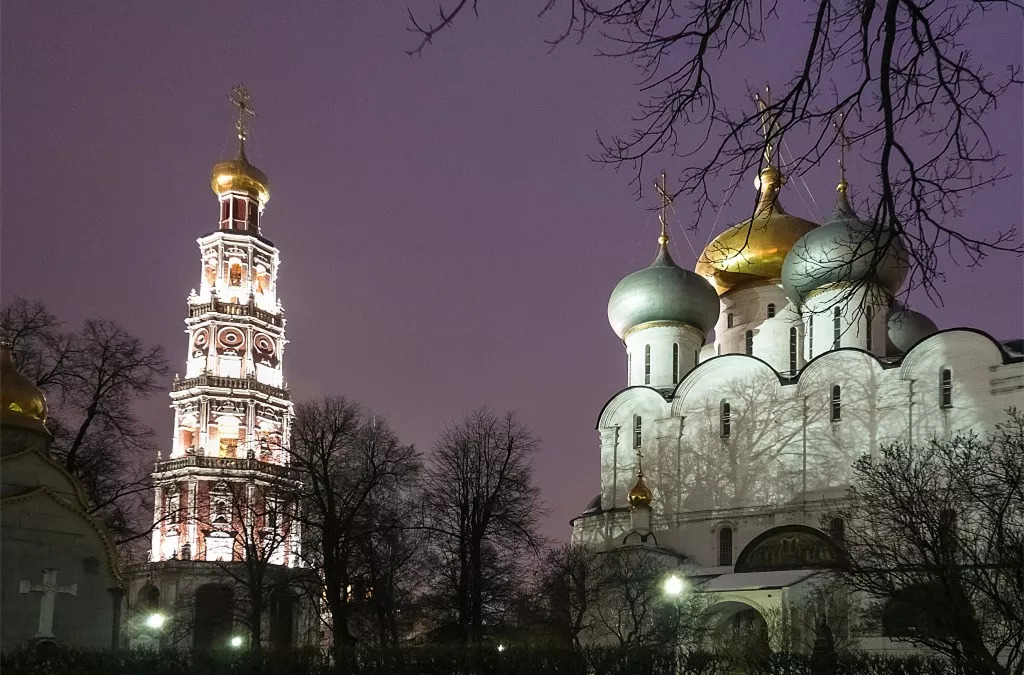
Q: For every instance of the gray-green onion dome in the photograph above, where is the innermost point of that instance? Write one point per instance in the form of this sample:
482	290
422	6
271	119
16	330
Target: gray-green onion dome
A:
844	249
905	328
663	292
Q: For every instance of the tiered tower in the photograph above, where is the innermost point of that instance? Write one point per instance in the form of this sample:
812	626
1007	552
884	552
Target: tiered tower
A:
227	487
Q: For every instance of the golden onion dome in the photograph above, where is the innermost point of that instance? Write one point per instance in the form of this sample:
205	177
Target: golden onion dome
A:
639	495
238	175
755	249
23	403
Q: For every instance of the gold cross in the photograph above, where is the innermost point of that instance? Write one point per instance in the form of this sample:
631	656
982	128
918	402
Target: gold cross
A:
666	203
639	462
769	122
240	98
844	145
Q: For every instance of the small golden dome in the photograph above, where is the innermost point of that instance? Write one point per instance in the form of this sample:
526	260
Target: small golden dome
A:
755	249
23	403
639	495
239	175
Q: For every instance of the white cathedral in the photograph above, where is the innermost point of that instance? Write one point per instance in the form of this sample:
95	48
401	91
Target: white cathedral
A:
727	456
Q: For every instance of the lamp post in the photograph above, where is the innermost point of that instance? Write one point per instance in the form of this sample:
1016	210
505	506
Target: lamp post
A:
673	588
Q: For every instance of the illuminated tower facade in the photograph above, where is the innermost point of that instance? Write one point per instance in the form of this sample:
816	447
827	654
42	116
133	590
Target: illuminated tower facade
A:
226	490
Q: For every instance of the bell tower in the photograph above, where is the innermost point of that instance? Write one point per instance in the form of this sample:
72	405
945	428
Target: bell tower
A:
227	474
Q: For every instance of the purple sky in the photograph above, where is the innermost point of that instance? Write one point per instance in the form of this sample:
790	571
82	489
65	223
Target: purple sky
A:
445	240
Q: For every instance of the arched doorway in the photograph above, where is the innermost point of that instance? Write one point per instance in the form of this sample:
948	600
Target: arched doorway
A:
214	617
739	628
282	619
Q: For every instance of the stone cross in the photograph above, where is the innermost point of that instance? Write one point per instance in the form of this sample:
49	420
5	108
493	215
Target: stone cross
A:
49	589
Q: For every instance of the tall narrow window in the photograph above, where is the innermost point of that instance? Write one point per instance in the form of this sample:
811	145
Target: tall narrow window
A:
771	310
675	363
837	403
647	364
837	531
836	328
792	349
629	368
726	419
748	343
869	315
696	357
728	320
254	216
725	546
810	337
946	388
638	431
225	210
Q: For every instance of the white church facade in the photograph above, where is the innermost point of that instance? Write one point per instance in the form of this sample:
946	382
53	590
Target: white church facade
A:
747	441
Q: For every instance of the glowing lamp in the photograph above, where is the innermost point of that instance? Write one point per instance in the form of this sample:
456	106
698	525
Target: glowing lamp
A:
236	641
673	586
155	621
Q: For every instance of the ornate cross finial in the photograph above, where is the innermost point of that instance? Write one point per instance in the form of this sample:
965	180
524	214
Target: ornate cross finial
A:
241	99
639	462
844	145
666	202
769	123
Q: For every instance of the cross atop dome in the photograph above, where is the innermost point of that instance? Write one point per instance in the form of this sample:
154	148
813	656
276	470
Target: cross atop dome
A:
241	99
666	203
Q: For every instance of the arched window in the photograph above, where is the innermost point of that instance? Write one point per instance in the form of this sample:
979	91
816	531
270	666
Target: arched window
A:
725	546
638	431
771	310
149	598
173	507
869	315
748	342
792	350
728	320
235	274
946	388
647	364
836	328
725	414
837	403
675	363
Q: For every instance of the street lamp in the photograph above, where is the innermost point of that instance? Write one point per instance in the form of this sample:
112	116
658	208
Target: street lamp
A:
673	586
501	648
155	621
236	641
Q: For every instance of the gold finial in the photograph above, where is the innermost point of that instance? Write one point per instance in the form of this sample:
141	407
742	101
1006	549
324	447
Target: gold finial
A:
666	203
241	99
769	123
844	145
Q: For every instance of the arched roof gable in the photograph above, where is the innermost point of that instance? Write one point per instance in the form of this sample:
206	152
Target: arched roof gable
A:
717	370
634	393
933	345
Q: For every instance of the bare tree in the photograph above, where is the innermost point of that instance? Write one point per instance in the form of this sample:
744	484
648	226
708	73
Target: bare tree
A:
897	67
484	508
256	523
630	608
350	461
936	535
92	378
